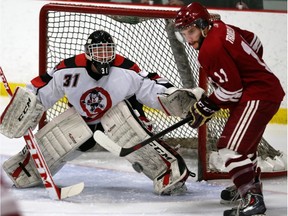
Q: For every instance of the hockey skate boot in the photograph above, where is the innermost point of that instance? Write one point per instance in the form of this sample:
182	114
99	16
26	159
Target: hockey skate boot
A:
251	205
230	195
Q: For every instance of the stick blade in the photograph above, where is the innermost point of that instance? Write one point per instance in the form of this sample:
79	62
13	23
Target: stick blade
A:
71	190
106	142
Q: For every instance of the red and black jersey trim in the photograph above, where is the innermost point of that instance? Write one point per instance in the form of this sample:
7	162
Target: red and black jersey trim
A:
153	76
78	61
125	63
41	81
73	62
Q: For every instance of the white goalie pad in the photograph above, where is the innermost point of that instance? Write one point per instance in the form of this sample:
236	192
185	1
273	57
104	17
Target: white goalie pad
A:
122	127
158	162
23	112
58	141
177	102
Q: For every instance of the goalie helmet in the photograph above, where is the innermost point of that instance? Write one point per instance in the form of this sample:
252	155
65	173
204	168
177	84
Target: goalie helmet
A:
192	14
100	50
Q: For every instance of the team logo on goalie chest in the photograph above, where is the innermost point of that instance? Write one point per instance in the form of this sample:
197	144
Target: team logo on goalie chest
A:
95	102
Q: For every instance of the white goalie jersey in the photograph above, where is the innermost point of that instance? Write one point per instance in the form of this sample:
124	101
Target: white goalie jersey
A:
91	97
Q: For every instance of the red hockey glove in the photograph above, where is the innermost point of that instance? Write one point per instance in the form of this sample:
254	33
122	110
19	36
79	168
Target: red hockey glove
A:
202	111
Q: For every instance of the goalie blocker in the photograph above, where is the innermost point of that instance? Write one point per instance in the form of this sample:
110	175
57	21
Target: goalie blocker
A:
157	160
23	112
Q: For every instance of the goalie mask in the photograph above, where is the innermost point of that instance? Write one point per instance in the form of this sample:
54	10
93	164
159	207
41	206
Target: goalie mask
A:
100	50
193	14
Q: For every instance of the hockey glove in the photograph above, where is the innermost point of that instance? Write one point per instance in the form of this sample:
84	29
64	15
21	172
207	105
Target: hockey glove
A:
202	112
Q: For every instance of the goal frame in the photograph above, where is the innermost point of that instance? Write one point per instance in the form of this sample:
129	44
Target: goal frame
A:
165	12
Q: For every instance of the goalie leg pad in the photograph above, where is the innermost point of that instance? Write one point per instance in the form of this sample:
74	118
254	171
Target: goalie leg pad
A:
172	182
157	160
21	170
163	165
58	141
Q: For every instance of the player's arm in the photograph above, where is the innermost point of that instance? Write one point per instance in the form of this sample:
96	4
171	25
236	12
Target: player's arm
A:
223	74
126	63
48	87
159	80
121	61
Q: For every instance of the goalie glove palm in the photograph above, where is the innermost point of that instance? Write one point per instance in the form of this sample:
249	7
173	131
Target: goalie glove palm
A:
202	112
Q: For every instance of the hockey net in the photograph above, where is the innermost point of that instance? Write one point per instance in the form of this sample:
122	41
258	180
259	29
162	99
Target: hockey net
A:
147	37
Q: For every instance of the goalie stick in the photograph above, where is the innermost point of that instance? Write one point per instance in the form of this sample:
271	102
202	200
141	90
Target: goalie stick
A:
103	140
54	191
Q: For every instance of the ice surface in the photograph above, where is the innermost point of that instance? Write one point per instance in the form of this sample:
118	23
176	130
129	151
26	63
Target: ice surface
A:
112	187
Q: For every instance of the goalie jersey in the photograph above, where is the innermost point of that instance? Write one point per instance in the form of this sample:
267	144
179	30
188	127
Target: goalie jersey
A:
93	97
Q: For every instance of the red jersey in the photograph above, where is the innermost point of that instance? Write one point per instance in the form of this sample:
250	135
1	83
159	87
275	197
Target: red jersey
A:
232	59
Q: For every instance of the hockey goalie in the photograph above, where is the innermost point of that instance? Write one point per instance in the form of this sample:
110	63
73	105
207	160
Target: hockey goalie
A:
96	84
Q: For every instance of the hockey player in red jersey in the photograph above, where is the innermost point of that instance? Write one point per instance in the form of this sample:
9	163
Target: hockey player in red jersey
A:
232	60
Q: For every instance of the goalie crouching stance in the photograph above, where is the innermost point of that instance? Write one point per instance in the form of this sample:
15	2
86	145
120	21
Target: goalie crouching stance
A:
64	138
95	82
157	160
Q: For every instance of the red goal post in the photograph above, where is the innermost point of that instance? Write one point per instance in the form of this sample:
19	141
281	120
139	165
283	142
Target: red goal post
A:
144	34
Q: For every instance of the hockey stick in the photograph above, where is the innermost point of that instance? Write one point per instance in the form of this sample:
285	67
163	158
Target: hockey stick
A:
103	140
54	191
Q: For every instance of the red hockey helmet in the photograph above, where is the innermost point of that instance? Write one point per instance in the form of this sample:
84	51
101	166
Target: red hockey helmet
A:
192	14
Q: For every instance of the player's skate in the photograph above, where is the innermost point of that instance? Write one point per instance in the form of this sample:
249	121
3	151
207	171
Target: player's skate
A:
230	195
251	205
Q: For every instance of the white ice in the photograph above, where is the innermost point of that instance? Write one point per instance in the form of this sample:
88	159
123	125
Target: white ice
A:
112	187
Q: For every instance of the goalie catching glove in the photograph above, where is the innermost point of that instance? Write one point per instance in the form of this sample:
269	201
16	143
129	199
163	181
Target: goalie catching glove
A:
176	102
202	111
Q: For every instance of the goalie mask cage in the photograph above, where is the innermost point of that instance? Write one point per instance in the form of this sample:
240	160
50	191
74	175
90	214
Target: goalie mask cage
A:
145	35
